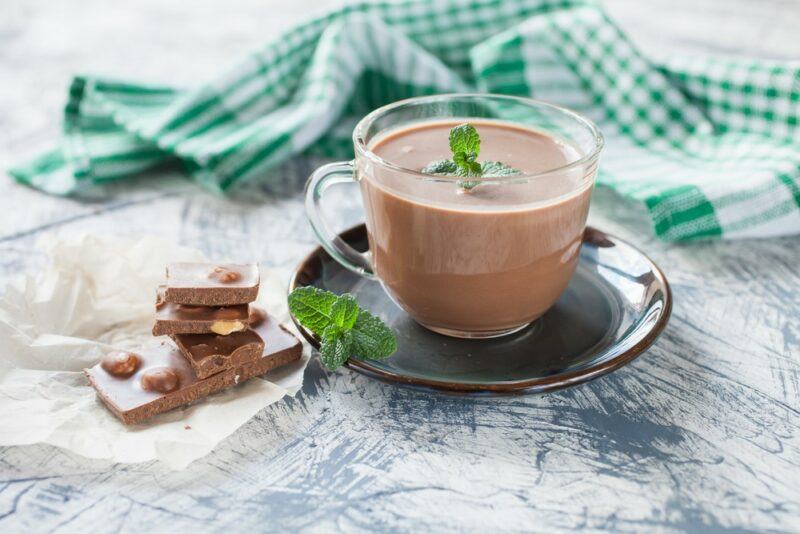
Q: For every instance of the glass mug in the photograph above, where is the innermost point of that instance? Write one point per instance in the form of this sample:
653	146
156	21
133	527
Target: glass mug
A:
466	269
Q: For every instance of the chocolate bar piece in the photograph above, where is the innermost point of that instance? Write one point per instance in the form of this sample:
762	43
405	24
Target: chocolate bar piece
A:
164	379
210	284
209	354
174	318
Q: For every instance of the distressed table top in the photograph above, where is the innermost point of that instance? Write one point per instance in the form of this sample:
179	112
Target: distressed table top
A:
701	432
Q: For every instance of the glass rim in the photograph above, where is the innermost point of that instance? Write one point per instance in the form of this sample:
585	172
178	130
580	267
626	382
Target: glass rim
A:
363	125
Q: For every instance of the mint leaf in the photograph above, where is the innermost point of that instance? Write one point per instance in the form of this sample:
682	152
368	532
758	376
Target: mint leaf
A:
442	167
312	308
467	166
448	167
372	339
344	312
335	347
344	329
464	138
465	144
495	168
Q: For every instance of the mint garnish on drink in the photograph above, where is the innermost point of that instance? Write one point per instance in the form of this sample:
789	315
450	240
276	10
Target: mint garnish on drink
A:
465	144
344	328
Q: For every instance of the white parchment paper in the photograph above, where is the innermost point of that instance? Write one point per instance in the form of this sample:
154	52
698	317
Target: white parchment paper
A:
98	293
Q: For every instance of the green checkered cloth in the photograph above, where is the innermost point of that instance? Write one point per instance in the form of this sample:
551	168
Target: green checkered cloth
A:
710	147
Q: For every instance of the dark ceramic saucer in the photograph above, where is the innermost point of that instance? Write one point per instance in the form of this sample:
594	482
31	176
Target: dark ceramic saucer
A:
615	307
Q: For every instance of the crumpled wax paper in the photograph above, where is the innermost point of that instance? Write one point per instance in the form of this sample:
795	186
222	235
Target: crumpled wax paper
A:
97	294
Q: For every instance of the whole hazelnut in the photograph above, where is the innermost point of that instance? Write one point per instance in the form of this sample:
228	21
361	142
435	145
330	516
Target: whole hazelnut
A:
120	363
224	275
160	380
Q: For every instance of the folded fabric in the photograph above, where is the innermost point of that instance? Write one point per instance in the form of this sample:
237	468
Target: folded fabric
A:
711	147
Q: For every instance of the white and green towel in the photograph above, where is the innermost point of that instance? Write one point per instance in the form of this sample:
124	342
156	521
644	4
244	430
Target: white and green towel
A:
711	147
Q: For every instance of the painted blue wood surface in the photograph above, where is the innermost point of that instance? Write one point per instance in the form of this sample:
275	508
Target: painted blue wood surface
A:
702	433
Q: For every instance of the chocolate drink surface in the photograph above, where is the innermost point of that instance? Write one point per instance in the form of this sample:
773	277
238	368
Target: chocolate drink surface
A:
492	258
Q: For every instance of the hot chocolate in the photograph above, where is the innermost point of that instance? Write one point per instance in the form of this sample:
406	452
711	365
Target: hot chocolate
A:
491	258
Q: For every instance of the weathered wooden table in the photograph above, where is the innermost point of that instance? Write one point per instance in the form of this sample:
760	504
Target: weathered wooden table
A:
700	433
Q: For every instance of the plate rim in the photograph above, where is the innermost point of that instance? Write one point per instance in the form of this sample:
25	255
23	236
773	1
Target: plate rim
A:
536	385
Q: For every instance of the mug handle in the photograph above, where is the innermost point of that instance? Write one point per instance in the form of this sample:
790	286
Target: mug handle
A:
333	174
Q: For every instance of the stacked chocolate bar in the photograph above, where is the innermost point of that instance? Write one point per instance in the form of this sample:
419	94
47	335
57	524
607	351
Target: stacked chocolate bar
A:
221	340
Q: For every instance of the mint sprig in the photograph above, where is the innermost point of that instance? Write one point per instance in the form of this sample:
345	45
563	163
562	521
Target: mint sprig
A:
345	330
465	144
